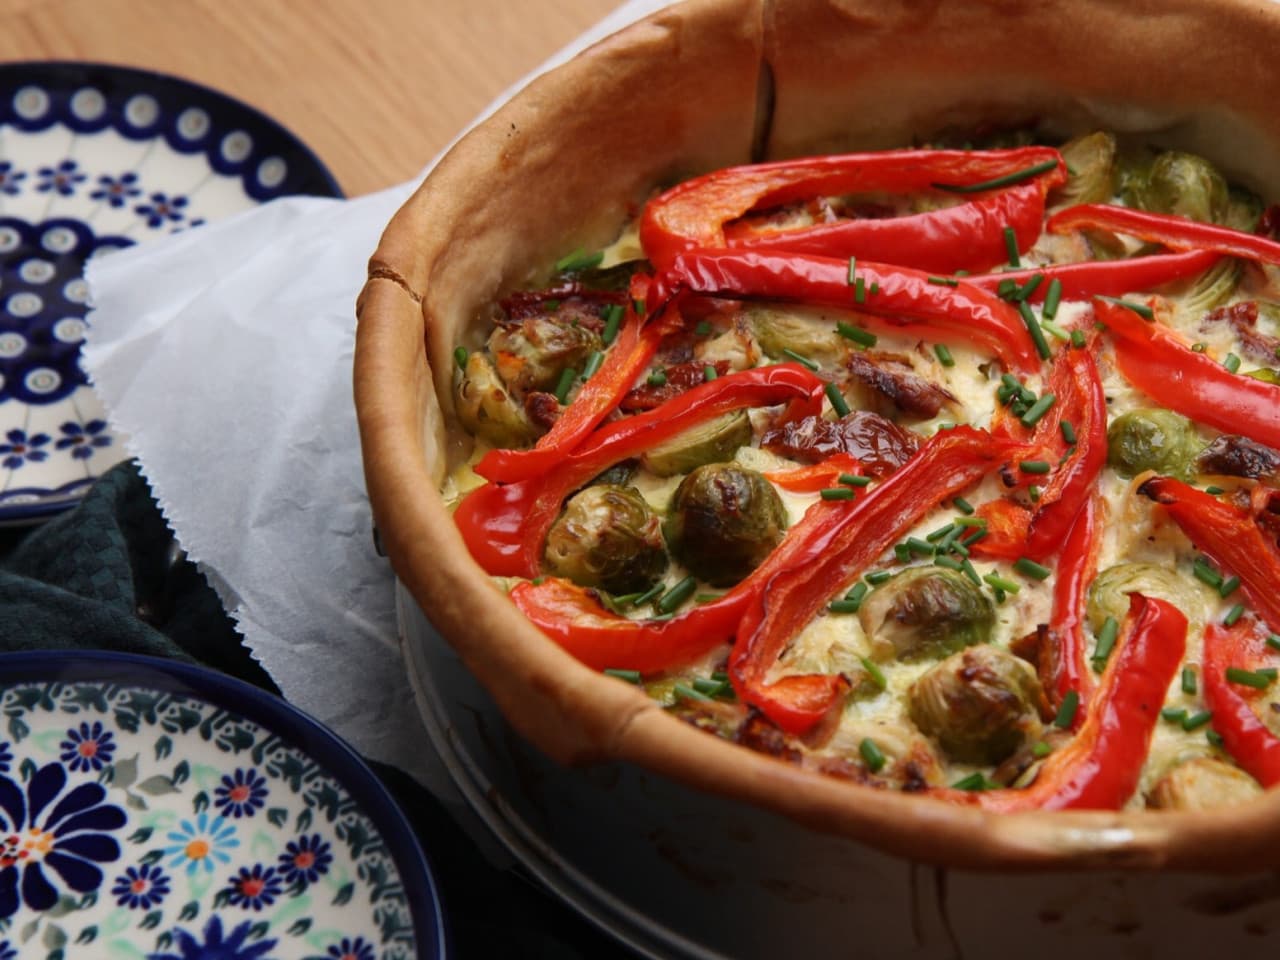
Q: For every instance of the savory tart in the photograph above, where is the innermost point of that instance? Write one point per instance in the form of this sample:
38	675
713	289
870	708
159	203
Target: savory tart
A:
943	469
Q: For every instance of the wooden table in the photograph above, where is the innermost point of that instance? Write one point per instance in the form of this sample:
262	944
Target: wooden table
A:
375	87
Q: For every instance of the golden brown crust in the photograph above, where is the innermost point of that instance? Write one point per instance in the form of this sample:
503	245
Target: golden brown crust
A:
557	168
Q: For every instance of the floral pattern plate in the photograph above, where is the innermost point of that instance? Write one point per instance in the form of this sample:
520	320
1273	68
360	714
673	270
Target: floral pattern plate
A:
94	158
155	811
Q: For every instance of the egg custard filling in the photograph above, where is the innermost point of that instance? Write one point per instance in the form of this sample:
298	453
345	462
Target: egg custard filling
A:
951	471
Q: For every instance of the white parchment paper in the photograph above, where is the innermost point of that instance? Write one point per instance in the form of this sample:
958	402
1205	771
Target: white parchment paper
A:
224	356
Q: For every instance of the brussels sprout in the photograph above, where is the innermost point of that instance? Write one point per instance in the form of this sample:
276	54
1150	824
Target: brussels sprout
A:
714	441
531	355
723	521
485	407
1244	209
1092	161
1211	289
1203	783
1151	439
808	334
1183	184
926	612
1109	594
980	704
607	537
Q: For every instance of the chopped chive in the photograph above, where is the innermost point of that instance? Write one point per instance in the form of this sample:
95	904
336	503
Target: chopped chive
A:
1027	289
1038	410
709	372
1141	309
1231	362
1018	176
706	597
944	355
1229	586
657	379
871	754
1026	395
1007	288
630	676
1040	750
1214	737
1203	571
951	563
969	521
922	547
711	688
579	260
1106	642
1034	493
1213	491
960	548
1199	347
1273	641
1011	247
970	572
853	270
663	616
1058	332
460	356
1051	299
1033	328
974	781
1234	614
838	403
1249	678
651	594
858	592
944	282
874	288
875	673
1188	680
859	291
974	537
1077	338
688	692
801	359
703	328
1197	720
837	493
902	552
1030	568
963	505
1173	714
592	365
612	320
637	307
856	334
854	480
1068	431
1067	712
1006	393
941	532
878	577
565	385
1035	466
677	595
1001	583
843	606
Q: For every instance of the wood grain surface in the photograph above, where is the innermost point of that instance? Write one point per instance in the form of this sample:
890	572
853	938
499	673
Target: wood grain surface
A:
375	87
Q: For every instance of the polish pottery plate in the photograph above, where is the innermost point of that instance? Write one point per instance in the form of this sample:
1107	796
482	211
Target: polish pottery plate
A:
155	810
94	158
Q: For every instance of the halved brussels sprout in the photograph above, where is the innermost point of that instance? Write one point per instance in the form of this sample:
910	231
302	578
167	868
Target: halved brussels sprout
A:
533	354
1152	439
1184	184
607	537
723	521
1203	783
805	333
1091	160
1109	594
485	407
980	704
711	442
926	612
1211	289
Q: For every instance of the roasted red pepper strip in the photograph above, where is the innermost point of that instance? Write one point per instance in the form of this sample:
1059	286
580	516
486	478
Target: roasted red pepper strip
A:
1111	278
628	357
1157	361
816	476
504	525
1244	735
1100	768
903	299
694	214
1064	666
852	536
1179	233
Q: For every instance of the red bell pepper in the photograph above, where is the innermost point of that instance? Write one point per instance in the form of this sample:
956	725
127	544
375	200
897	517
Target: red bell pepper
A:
1177	232
843	539
1244	735
816	476
504	525
1111	278
1064	665
1157	361
1099	769
969	236
895	299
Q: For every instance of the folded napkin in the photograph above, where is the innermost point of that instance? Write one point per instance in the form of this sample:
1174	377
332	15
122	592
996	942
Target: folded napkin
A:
223	354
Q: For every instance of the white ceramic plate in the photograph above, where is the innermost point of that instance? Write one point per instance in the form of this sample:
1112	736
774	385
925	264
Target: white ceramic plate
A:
94	158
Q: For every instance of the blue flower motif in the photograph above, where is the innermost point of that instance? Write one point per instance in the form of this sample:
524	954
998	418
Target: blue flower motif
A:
7	952
10	183
241	794
305	860
68	834
214	946
349	948
23	449
142	887
83	439
116	190
254	887
162	208
61	179
6	758
89	748
200	843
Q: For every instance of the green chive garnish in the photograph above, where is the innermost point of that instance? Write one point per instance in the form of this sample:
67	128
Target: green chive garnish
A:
1249	678
1058	332
857	593
630	676
968	521
1203	571
853	480
565	385
1007	288
1038	410
1033	492
922	547
1199	347
1052	297
1068	432
970	572
1027	289
857	335
1197	720
677	595
901	551
843	606
612	320
871	754
837	493
579	260
1067	712
941	532
1018	176
709	372
688	692
1214	738
1077	338
1141	309
950	563
1229	586
1231	362
1030	568
1106	641
853	270
944	282
801	359
651	594
657	379
974	781
944	355
878	577
1213	491
1188	680
703	328
592	365
1011	247
1040	750
1001	583
460	357
1035	466
859	291
1173	714
874	288
974	537
1234	614
1033	328
711	688
875	673
837	400
638	307
1273	641
963	505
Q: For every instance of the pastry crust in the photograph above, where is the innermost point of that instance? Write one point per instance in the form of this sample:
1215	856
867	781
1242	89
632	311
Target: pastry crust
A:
567	160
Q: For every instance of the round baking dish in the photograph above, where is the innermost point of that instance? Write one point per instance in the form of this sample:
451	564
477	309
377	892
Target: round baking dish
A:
714	82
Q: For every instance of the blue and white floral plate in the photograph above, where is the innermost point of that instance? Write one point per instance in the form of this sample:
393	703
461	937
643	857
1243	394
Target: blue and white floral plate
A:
155	811
94	158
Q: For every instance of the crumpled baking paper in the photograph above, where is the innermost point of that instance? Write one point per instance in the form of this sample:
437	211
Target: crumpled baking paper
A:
223	355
